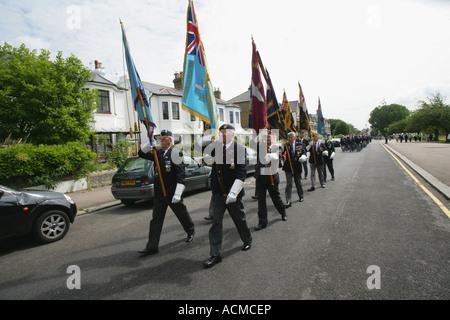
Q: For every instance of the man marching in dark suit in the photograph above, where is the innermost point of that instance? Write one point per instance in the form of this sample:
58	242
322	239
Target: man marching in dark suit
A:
173	175
295	156
328	156
304	142
268	180
316	161
229	170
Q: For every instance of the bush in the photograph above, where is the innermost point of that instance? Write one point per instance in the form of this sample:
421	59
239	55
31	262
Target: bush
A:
119	153
27	164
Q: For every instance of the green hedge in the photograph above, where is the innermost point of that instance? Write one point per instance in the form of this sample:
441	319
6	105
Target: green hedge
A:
28	164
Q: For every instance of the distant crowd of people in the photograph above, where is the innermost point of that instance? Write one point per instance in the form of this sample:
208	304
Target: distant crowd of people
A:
408	137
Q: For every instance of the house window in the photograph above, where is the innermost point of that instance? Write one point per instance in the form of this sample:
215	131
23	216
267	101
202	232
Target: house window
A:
165	110
104	101
237	118
193	117
231	117
175	111
221	117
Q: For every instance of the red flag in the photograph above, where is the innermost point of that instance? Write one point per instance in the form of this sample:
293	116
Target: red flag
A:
258	109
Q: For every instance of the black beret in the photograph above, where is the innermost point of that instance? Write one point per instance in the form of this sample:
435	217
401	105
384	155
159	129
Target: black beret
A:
226	126
166	133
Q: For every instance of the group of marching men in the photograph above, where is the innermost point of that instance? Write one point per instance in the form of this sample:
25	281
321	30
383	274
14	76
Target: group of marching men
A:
229	170
354	142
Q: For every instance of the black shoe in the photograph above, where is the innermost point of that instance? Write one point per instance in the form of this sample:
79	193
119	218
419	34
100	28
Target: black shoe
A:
288	205
189	238
246	247
209	218
255	197
323	186
332	179
147	252
212	262
260	227
283	217
311	189
306	177
301	199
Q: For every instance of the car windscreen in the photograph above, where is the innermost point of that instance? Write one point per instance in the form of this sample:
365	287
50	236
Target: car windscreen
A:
135	165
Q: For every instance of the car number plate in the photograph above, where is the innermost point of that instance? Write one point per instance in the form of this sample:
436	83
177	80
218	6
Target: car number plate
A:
128	182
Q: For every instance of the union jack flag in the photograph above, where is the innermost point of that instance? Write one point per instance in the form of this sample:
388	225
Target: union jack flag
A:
194	44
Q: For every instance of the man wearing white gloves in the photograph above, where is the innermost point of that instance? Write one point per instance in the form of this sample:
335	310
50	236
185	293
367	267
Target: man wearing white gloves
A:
316	150
173	175
229	170
268	159
328	159
295	156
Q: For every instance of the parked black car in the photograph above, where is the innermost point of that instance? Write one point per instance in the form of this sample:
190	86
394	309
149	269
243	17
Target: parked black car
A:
46	215
133	181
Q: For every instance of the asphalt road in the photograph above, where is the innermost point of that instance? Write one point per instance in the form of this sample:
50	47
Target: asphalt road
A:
373	217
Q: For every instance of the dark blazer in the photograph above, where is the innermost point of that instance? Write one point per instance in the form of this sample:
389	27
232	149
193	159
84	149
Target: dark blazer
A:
230	170
330	147
293	157
316	157
171	172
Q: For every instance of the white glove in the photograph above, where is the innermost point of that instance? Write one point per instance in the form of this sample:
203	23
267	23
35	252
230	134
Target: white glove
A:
271	156
302	158
325	153
146	148
235	190
332	156
309	146
178	192
308	154
205	140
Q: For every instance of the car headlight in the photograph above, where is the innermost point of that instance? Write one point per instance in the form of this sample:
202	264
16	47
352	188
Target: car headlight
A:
69	199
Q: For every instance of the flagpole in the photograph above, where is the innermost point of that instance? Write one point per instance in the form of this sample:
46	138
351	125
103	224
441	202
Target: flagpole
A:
154	149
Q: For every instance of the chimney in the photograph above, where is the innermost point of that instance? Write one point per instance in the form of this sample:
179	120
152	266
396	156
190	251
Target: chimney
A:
98	68
218	94
177	82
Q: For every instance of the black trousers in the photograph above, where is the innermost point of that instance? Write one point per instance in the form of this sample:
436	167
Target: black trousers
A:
237	213
329	165
159	213
265	184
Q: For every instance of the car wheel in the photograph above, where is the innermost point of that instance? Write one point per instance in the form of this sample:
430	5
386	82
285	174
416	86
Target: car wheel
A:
128	202
51	226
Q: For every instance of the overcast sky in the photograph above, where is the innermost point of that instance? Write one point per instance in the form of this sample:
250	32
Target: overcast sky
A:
353	54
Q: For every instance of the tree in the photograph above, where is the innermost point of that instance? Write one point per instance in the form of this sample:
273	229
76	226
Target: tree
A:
399	126
384	115
340	127
433	116
41	100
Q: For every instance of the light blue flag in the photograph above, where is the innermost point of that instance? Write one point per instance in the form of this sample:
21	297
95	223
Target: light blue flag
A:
320	121
198	93
140	100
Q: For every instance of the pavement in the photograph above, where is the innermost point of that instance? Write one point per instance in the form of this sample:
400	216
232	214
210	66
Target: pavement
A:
428	159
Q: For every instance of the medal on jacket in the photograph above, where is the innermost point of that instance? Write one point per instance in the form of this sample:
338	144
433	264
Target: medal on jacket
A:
232	166
168	166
